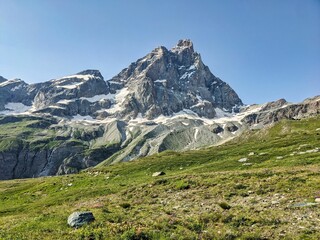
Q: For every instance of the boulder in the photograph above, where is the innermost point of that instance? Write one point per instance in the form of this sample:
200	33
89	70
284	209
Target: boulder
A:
78	219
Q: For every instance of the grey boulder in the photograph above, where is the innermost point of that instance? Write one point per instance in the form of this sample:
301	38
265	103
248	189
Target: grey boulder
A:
78	219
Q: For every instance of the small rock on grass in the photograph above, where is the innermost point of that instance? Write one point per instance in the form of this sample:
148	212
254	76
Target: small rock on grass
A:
78	219
243	160
156	174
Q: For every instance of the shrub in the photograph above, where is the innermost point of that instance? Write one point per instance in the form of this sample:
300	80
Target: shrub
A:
181	185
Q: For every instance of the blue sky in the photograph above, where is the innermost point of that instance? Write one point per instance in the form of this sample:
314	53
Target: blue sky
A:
266	49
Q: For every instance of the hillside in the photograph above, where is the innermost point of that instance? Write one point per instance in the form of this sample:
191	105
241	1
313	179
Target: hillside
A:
261	185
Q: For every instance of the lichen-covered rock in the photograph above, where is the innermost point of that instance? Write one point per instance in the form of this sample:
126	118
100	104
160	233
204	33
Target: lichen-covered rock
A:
78	219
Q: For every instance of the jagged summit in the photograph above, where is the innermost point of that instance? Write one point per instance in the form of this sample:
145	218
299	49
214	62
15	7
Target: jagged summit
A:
94	73
166	82
182	45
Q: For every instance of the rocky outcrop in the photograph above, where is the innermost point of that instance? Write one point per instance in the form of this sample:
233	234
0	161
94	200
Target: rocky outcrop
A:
16	91
85	84
275	104
78	219
44	147
282	110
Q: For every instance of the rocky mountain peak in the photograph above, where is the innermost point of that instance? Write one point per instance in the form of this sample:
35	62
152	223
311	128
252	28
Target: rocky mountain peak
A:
184	44
2	79
160	49
166	82
95	73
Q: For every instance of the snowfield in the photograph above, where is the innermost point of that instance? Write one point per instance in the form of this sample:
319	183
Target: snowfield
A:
15	108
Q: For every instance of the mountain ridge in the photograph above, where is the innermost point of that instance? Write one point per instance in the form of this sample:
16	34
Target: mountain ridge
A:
161	83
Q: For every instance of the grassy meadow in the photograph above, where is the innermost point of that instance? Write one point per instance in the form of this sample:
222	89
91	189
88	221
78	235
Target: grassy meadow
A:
262	185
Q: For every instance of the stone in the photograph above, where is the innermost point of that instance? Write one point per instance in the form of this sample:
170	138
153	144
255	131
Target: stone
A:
243	160
263	153
78	219
156	174
251	154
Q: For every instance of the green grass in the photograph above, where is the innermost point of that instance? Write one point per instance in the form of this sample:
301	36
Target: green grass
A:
205	194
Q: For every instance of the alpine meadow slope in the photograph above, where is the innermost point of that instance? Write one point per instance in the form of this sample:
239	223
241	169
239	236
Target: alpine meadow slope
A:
261	185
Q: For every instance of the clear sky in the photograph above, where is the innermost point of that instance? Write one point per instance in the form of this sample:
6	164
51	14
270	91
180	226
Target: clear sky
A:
266	49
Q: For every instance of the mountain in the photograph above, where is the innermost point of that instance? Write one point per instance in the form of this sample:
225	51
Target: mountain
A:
167	100
168	81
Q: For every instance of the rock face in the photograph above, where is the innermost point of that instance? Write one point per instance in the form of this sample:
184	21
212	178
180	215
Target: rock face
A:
278	110
165	82
16	91
72	95
44	147
78	219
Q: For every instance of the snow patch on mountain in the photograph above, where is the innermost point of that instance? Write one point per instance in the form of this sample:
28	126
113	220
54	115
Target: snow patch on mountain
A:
187	75
220	113
78	117
196	133
99	97
119	97
8	82
15	108
85	77
72	81
161	81
66	101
